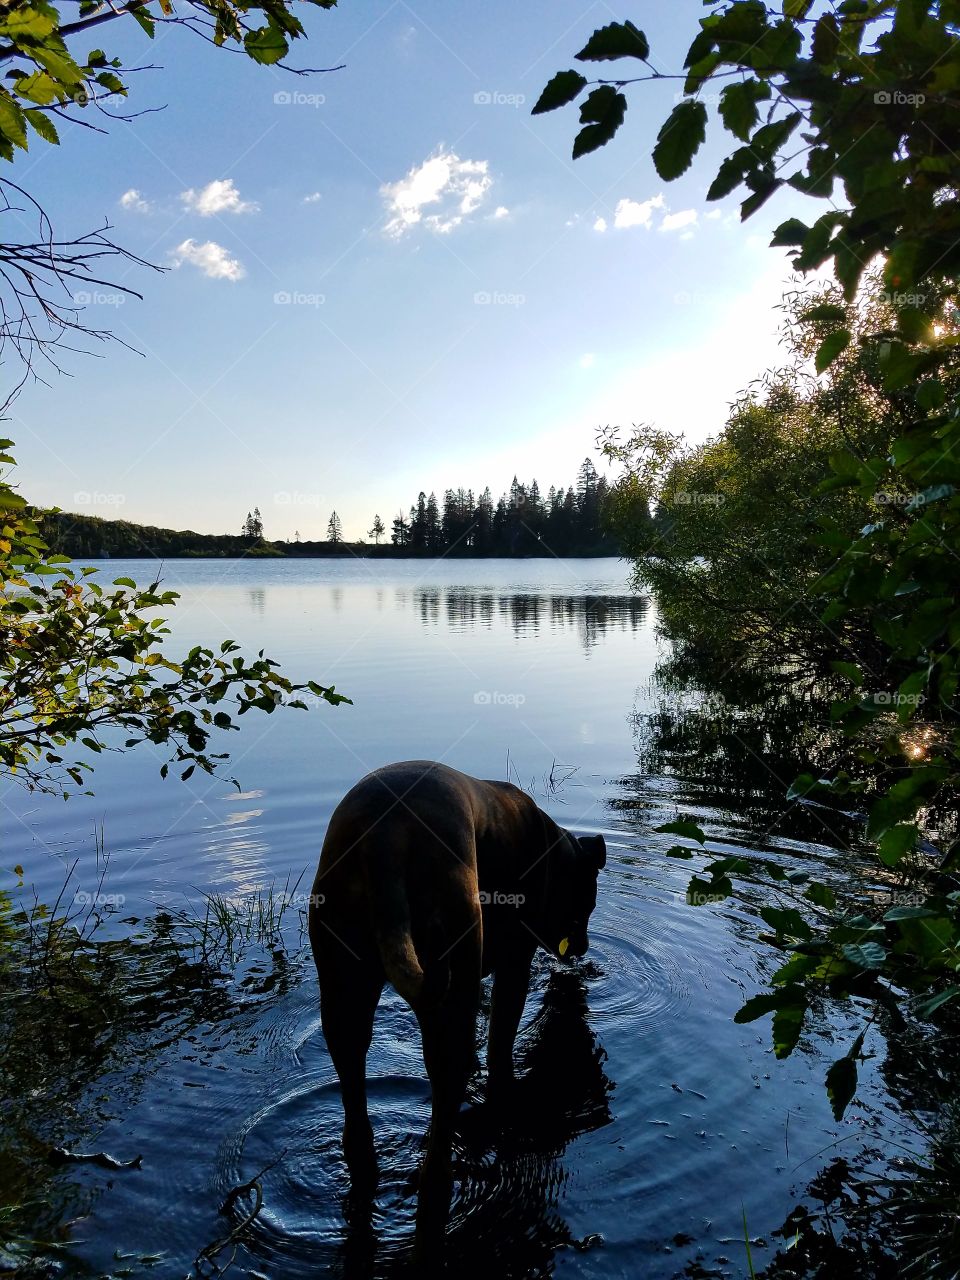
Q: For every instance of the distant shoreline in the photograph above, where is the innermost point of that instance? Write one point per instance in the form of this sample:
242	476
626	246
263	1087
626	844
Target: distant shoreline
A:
360	552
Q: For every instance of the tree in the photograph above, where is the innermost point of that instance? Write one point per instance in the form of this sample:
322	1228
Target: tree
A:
378	530
334	528
400	532
869	88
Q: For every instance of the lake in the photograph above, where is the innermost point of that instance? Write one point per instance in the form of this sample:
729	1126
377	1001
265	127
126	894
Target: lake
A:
652	1127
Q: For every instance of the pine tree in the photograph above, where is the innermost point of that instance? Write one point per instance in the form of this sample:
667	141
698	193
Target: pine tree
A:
334	528
378	530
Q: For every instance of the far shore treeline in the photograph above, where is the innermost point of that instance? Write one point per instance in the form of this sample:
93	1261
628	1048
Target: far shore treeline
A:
571	521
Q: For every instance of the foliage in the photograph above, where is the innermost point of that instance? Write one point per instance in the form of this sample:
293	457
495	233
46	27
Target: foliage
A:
48	78
859	96
737	552
80	662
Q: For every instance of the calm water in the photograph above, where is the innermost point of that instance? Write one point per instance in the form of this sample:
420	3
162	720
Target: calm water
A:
650	1123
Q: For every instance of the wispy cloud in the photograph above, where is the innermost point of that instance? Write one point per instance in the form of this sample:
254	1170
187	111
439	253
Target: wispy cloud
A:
219	196
313	198
211	258
677	221
452	188
134	202
636	213
631	213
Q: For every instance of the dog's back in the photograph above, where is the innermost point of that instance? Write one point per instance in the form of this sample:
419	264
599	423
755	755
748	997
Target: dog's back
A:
396	883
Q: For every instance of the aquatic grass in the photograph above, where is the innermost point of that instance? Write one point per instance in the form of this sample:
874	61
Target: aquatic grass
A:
229	924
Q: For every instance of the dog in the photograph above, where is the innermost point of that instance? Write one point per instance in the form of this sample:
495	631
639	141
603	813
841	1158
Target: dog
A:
431	880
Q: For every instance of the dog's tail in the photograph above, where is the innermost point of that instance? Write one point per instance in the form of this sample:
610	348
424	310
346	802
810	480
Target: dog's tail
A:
395	939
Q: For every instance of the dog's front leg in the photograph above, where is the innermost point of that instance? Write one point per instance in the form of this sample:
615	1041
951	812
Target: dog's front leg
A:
511	980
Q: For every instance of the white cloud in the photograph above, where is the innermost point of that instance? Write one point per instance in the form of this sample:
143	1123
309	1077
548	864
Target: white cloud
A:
501	211
635	213
713	213
600	224
134	201
219	196
313	198
457	187
677	221
210	258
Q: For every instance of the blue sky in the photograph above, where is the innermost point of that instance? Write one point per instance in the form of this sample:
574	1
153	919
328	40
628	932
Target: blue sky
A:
386	278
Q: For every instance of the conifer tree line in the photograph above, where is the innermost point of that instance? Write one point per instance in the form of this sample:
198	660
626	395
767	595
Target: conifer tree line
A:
523	521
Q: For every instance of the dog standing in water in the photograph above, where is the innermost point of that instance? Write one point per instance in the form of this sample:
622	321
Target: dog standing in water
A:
430	880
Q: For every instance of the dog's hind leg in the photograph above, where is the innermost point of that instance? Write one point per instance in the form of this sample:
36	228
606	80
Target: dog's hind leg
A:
349	994
449	1053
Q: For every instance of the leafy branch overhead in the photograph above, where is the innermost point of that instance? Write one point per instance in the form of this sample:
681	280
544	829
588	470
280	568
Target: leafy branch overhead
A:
860	98
49	76
853	105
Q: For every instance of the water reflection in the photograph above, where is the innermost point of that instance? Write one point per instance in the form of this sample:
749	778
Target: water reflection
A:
507	1218
527	613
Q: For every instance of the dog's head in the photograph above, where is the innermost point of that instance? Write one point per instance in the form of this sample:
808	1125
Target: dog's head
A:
575	863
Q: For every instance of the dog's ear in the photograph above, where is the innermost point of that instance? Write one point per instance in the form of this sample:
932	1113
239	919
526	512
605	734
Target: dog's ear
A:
596	847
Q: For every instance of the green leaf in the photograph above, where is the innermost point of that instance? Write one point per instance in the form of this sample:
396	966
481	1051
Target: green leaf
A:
787	1025
141	16
826	39
616	40
563	88
12	122
932	1003
793	231
679	851
757	1006
738	106
786	921
831	347
822	896
866	955
602	115
42	124
841	1085
895	844
266	45
680	139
